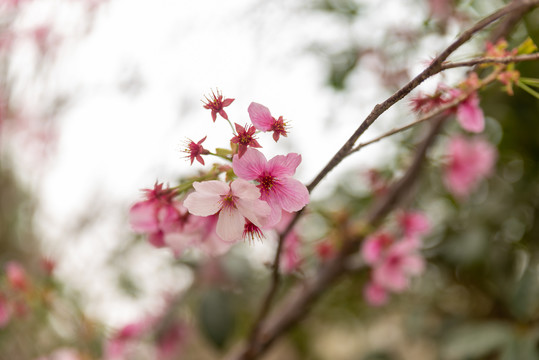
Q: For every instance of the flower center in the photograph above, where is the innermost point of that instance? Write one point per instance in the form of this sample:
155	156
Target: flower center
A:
228	201
266	182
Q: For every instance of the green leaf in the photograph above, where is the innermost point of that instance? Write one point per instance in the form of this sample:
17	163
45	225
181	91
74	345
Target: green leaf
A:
527	47
472	341
528	89
531	21
216	317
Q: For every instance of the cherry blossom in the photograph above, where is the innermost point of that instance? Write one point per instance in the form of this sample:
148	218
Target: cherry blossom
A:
216	103
469	114
374	246
157	215
244	138
16	276
195	150
274	177
469	161
234	202
413	223
375	294
263	121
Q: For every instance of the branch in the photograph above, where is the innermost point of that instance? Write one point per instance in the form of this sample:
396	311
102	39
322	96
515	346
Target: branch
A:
490	60
433	113
253	348
298	303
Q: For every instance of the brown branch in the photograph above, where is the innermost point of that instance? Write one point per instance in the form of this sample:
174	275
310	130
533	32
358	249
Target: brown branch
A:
253	348
490	78
298	303
490	60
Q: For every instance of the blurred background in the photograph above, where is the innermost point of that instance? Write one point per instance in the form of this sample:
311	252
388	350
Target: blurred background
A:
97	100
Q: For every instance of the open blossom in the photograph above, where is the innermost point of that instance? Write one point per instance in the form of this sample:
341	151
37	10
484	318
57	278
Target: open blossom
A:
234	202
374	246
375	294
274	177
244	138
263	121
400	262
194	150
216	103
414	223
469	161
157	215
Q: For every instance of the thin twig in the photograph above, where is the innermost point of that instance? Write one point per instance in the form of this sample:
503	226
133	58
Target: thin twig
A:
431	114
491	60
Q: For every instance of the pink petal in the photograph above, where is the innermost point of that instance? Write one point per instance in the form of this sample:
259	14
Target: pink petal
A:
251	165
260	116
257	211
470	116
390	277
375	294
291	194
227	102
157	239
281	165
244	189
212	187
202	204
275	213
230	225
142	217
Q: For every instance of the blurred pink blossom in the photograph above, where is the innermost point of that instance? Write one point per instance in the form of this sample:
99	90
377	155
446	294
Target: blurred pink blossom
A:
16	276
234	202
157	215
414	223
374	247
469	161
469	114
399	263
275	181
375	294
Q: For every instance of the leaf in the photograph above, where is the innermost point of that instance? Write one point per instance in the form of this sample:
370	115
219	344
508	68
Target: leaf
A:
527	47
531	21
216	317
528	89
475	340
223	152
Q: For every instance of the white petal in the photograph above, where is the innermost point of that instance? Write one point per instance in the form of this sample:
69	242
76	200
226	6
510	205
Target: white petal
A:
202	204
230	225
244	189
214	187
257	211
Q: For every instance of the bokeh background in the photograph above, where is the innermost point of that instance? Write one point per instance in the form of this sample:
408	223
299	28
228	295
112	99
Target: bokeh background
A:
98	98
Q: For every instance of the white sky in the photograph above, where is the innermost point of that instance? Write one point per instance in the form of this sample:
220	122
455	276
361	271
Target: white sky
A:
114	142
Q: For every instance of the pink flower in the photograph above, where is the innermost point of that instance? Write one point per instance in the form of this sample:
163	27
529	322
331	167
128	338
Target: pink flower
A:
374	247
290	259
245	138
414	223
16	276
469	114
157	215
195	150
216	103
399	263
275	181
375	294
325	250
252	232
469	162
263	121
234	202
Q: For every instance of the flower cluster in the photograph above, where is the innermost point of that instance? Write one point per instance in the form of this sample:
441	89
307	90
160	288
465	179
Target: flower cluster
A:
228	202
394	260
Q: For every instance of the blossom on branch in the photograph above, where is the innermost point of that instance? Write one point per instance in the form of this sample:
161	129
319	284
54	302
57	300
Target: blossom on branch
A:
263	121
469	161
195	150
274	177
234	202
216	103
245	138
